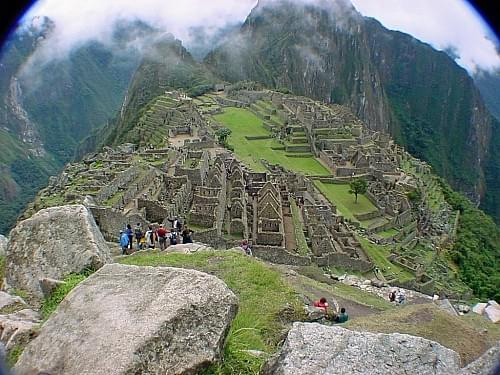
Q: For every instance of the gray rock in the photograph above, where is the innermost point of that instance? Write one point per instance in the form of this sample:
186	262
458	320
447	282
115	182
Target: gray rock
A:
135	320
486	364
19	328
314	313
51	244
492	311
312	348
378	283
461	308
48	285
446	305
7	300
187	248
3	245
479	308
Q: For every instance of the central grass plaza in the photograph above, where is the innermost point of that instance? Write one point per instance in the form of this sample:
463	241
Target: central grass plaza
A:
244	123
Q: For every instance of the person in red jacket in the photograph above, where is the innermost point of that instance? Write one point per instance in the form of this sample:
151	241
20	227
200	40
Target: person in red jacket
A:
161	234
322	304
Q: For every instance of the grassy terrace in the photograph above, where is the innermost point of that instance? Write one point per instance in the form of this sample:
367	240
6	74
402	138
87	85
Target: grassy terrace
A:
379	255
244	123
339	195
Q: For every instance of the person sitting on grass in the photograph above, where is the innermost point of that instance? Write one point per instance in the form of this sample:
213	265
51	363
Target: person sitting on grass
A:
322	304
342	317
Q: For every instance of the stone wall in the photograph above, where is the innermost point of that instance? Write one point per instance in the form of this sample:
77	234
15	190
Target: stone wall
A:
279	255
199	145
111	221
344	261
120	182
154	211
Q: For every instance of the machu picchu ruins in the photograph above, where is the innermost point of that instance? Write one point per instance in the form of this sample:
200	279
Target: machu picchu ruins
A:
282	184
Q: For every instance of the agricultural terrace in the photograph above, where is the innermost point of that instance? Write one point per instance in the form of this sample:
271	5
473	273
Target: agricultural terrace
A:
338	194
244	123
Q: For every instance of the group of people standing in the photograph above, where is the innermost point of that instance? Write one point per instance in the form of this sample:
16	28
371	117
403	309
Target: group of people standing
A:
153	237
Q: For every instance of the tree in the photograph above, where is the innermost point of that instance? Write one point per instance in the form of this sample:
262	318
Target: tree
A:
358	186
222	135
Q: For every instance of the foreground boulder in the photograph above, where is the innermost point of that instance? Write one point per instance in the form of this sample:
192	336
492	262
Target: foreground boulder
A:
134	320
51	244
312	348
19	328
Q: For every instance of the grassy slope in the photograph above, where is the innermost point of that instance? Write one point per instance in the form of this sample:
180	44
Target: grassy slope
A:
464	334
379	255
339	195
244	123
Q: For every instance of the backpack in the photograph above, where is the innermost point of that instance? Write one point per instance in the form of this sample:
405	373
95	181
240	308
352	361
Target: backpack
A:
138	232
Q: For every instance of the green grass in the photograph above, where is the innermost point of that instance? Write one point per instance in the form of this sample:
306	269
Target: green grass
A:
243	123
387	233
50	304
379	255
300	238
263	298
14	355
338	194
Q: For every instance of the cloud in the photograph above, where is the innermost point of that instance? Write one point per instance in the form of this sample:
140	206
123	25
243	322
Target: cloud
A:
451	25
78	22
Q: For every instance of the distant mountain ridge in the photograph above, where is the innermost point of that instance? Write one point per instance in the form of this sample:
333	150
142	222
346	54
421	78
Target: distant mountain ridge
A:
42	122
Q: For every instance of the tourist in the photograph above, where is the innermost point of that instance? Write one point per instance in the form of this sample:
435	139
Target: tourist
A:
246	247
142	242
150	238
130	235
342	317
400	298
322	304
186	235
392	296
173	237
161	234
124	241
176	224
138	235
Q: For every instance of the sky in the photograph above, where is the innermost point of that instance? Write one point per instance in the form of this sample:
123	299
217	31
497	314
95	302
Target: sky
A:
445	24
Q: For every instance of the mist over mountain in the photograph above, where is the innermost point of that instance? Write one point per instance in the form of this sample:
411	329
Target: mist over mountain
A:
48	107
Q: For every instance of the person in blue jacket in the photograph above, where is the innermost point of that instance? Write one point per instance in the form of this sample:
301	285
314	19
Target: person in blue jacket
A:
124	241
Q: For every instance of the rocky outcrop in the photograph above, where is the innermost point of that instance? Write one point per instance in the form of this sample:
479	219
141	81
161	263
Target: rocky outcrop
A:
8	302
486	364
3	245
147	320
312	348
19	328
51	244
491	310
